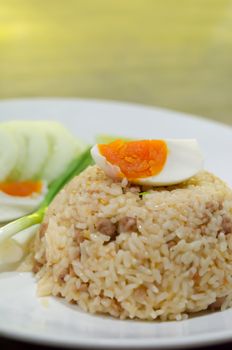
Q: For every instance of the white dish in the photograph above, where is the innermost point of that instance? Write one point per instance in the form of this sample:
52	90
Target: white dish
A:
52	321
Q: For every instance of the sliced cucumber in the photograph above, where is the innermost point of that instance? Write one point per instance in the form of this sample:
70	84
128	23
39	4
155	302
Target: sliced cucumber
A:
21	152
37	148
64	148
8	153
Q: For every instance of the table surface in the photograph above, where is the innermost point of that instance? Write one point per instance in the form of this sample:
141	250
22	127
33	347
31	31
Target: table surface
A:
174	54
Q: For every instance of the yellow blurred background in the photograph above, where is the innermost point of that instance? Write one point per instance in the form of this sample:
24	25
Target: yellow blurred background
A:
170	53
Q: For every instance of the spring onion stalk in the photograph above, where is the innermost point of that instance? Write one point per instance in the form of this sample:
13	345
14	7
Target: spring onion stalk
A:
75	168
103	138
143	193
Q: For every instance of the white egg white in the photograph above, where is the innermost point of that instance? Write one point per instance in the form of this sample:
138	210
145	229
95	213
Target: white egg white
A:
110	170
14	207
184	160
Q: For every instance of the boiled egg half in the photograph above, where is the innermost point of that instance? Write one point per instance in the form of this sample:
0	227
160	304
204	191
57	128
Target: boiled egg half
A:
150	162
20	198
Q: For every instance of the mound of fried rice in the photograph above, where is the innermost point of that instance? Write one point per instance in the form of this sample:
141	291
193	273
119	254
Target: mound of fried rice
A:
136	252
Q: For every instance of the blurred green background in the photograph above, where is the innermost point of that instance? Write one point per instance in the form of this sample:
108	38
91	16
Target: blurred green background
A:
174	53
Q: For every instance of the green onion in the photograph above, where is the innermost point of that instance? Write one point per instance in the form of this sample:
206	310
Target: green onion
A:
103	138
143	193
75	168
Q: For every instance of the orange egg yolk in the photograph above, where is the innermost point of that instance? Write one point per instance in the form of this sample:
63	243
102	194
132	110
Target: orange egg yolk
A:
21	188
136	159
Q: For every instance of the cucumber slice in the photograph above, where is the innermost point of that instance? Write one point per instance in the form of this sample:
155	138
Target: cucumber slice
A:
21	151
64	148
37	148
42	149
8	153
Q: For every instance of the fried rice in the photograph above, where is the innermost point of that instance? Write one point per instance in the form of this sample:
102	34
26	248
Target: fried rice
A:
138	252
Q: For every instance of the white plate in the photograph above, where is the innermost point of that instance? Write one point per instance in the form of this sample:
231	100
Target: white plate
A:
51	321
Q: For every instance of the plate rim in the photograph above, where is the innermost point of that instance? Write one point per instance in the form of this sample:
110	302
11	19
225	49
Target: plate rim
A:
189	342
110	102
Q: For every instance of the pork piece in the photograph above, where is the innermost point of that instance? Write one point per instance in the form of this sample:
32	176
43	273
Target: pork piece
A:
217	304
106	227
227	225
127	224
